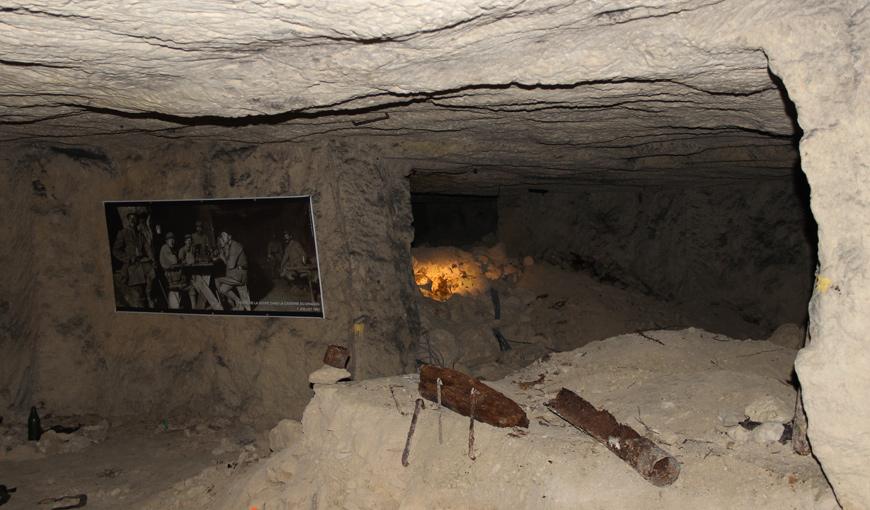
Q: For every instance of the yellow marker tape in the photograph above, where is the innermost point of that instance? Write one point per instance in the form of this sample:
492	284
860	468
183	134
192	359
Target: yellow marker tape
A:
359	327
823	283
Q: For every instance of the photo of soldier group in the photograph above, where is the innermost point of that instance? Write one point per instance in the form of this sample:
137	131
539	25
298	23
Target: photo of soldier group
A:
233	257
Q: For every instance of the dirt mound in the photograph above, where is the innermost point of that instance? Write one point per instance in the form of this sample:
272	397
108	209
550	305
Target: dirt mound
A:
683	389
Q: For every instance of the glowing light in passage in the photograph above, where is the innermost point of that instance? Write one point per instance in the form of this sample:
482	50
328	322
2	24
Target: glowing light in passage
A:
440	280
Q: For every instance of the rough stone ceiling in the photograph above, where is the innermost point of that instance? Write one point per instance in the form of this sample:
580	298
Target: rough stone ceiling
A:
496	91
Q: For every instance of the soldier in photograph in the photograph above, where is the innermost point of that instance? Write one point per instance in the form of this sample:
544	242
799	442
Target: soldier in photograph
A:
294	261
172	272
202	249
132	249
236	278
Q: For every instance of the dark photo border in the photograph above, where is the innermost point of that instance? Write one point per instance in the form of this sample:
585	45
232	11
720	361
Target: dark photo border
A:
222	256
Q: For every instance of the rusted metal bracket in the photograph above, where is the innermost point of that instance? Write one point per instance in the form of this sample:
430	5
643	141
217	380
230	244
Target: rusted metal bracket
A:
496	302
653	463
407	451
396	400
490	406
503	344
472	396
439	383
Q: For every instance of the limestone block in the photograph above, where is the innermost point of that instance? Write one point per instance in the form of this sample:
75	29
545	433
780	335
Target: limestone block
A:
328	375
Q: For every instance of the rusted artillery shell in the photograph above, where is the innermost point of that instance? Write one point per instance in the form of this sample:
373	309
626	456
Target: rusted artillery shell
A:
653	463
490	406
336	356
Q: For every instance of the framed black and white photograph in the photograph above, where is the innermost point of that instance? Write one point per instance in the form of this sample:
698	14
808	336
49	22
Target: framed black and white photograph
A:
252	256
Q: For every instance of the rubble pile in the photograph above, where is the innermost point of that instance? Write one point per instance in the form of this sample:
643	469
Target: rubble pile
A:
687	391
443	272
468	298
66	435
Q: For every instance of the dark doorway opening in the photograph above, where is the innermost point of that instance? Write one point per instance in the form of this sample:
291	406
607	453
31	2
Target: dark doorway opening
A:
453	220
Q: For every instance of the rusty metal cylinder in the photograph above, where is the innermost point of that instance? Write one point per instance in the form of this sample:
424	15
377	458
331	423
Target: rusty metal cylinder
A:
336	356
653	463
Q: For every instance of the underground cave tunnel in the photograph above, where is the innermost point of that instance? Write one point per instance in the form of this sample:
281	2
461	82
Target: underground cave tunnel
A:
543	195
557	266
521	275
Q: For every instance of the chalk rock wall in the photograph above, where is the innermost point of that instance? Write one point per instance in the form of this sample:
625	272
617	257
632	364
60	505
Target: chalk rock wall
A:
376	237
829	84
17	315
92	359
739	258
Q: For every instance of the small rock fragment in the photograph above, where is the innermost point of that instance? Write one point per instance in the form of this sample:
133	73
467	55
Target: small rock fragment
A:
96	433
51	443
730	418
788	335
767	433
738	434
493	273
247	456
225	446
770	409
282	467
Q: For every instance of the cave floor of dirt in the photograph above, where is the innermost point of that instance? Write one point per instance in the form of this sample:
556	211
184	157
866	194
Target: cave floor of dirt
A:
683	389
135	462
